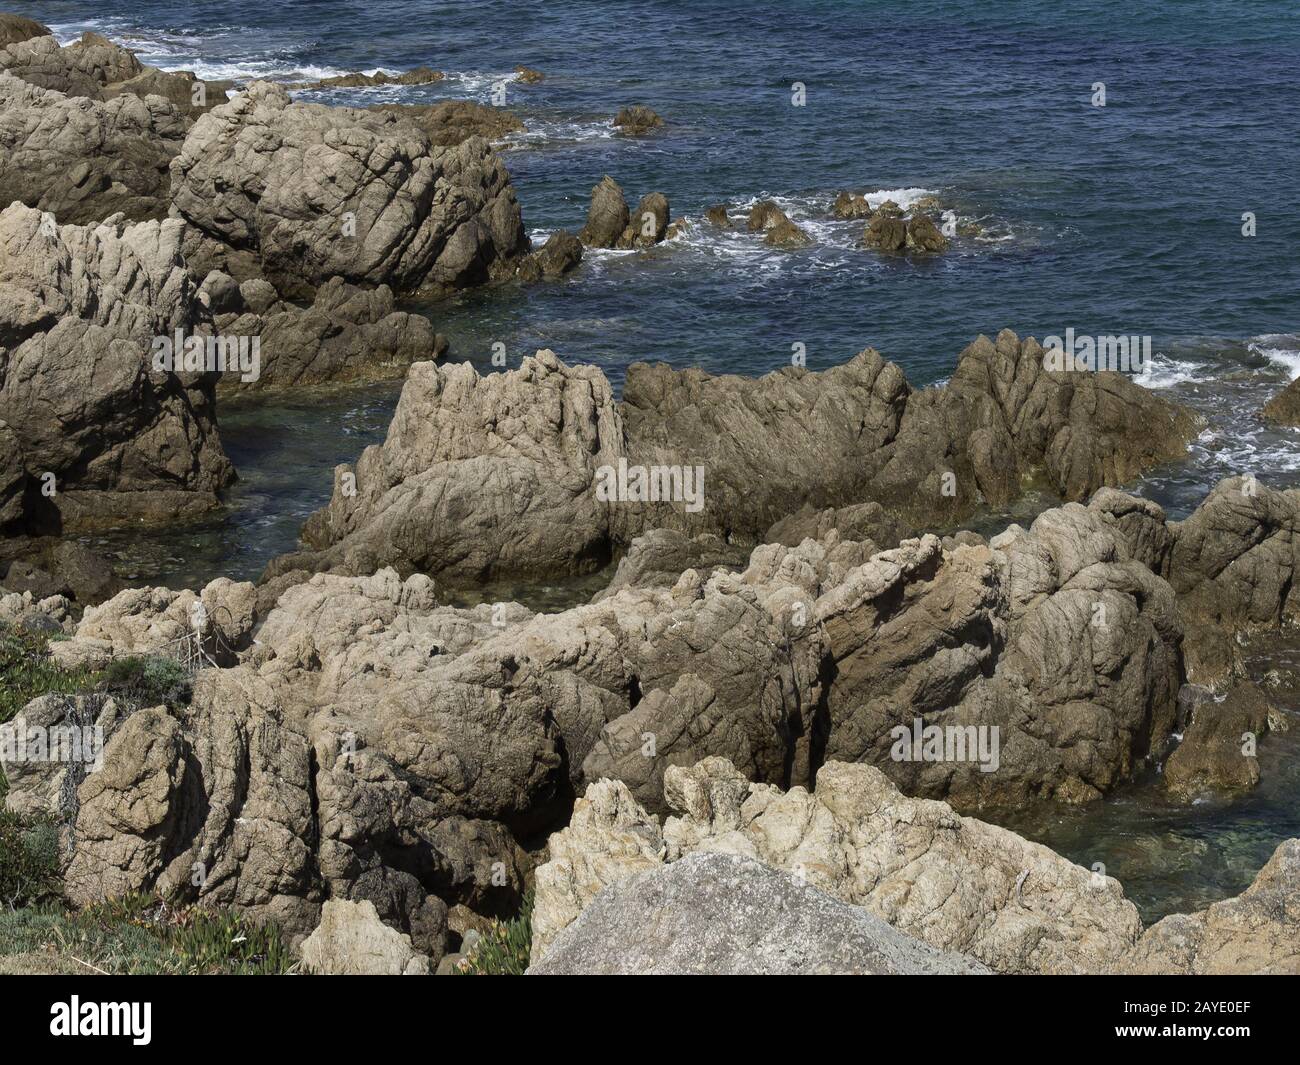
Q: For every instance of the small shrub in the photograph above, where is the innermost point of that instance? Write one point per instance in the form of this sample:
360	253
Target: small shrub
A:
148	680
29	860
505	946
27	671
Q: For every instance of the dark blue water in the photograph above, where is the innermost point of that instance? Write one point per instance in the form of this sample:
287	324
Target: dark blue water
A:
1124	219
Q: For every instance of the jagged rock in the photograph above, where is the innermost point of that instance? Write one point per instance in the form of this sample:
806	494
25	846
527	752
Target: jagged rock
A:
529	76
348	333
1217	754
312	192
886	229
429	498
80	308
15	29
717	215
1284	408
637	120
849	205
83	160
927	457
649	222
727	914
351	941
449	122
560	254
659	558
924	236
953	882
1255	933
421	75
95	68
607	218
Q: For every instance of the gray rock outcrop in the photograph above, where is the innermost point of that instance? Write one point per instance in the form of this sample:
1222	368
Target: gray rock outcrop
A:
301	193
723	914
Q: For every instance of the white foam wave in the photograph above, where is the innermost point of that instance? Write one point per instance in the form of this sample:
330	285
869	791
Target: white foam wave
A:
1161	371
1282	349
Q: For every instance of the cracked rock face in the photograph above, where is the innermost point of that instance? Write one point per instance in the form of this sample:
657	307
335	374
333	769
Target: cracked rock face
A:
79	309
956	883
83	160
727	914
926	457
310	192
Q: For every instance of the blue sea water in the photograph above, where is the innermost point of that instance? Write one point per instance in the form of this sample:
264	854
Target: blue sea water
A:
1123	219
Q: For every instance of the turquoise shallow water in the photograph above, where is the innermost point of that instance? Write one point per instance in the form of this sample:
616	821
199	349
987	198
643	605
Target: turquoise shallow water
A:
1122	219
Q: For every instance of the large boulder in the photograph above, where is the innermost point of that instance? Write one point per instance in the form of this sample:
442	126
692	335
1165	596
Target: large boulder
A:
16	28
479	476
307	192
956	883
725	914
351	940
100	434
82	160
95	68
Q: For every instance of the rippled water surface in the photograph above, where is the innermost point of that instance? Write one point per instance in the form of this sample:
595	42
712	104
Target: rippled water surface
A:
1124	219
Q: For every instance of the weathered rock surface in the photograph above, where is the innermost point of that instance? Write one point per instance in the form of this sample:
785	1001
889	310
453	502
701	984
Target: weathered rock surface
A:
347	334
1284	408
611	225
83	160
351	940
1255	933
661	556
1217	753
311	192
637	120
728	914
954	882
450	122
79	310
478	476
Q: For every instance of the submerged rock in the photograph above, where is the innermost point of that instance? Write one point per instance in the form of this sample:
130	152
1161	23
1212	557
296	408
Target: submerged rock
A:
1255	933
728	914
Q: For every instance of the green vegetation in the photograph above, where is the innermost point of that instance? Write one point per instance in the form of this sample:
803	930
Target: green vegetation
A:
504	948
138	934
29	860
27	671
150	680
